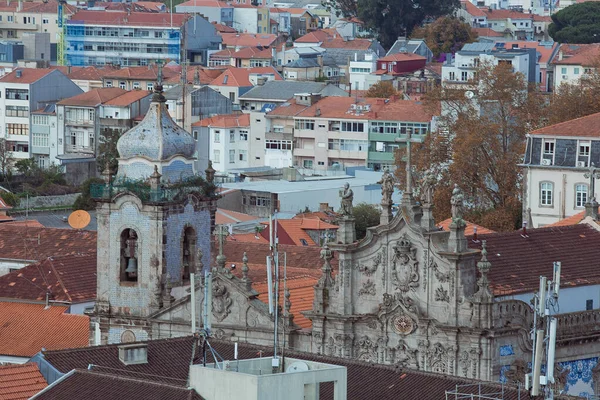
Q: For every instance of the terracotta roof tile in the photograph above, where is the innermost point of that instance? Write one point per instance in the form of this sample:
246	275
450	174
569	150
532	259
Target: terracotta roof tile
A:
223	28
314	37
85	74
94	97
70	279
205	3
128	98
588	126
119	18
247	238
240	77
46	7
142	73
206	75
248	39
572	220
28	75
340	43
20	382
472	9
402	57
301	296
225	121
32	223
223	217
93	385
253	53
168	360
43	242
544	51
577	54
27	328
518	262
505	14
469	229
489	32
287	109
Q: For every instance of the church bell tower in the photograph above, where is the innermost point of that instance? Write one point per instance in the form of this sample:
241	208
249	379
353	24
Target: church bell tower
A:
153	216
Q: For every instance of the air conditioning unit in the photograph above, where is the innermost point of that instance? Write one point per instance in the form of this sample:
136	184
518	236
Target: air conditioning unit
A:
582	164
565	77
353	106
545	161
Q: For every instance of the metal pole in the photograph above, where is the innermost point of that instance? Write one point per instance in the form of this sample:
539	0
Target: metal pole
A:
193	299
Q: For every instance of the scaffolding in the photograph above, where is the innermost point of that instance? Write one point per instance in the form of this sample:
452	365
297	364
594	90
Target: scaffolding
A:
479	391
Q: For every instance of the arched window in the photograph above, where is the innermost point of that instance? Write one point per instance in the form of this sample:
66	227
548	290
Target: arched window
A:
546	193
129	256
188	247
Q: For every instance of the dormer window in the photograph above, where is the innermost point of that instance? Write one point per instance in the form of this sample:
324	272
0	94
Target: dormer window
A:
583	154
548	152
133	354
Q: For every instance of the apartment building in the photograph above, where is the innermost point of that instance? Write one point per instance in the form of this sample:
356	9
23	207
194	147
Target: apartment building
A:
84	118
571	62
44	136
137	38
242	16
25	90
20	17
557	158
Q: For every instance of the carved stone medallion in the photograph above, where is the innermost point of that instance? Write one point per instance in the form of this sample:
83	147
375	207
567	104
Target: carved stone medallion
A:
221	302
403	324
405	266
127	336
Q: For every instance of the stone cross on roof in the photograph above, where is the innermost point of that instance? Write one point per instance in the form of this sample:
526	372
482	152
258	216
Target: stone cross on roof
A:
592	175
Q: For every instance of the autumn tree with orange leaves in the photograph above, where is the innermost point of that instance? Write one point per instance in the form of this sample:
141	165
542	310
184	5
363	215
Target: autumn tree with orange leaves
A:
479	145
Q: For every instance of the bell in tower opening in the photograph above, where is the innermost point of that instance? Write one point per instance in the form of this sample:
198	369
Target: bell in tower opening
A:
129	269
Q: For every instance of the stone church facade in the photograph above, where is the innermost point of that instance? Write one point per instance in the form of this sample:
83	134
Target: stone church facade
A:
407	294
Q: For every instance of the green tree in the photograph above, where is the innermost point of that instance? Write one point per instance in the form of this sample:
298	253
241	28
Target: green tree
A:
107	150
446	34
342	8
84	201
5	158
27	167
366	215
393	18
578	23
382	89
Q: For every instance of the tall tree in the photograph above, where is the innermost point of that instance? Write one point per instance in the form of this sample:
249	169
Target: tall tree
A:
107	150
481	144
382	89
5	157
393	18
578	23
446	34
341	8
366	215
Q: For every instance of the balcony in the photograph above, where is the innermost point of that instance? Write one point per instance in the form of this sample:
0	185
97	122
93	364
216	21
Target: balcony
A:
41	150
79	122
384	156
347	154
304	152
70	148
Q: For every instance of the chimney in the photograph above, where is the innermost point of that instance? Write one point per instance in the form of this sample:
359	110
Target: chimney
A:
260	81
68	69
349	89
20	6
323	207
19	73
524	234
318	112
591	209
560	55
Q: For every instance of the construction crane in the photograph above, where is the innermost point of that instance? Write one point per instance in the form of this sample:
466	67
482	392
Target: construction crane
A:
60	58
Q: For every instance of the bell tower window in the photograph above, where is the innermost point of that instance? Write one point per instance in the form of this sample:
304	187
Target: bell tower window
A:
129	256
188	249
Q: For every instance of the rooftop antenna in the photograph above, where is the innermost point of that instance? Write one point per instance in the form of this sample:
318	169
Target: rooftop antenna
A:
273	280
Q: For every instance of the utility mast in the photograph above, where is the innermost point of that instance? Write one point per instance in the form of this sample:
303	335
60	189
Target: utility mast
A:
544	334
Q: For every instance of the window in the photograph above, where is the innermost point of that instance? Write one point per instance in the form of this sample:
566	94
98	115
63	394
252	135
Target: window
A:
17	111
10	18
217	136
305	124
278	144
17	94
307	163
589	305
563	70
549	148
217	156
464	76
546	189
243	136
91	139
40	140
45	21
278	129
243	155
122	84
581	191
584	149
17	129
109	84
232	136
231	156
347	144
195	135
136	85
40	120
576	71
150	86
452	76
353	127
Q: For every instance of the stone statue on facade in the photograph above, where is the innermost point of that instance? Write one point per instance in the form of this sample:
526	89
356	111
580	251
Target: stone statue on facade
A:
387	188
347	196
457	202
427	187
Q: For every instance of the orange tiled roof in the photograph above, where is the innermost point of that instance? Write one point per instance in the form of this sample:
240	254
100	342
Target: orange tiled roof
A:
301	296
293	231
123	18
545	52
84	74
28	75
31	223
247	238
21	381
205	3
577	54
314	37
94	97
489	32
248	39
225	121
588	126
27	328
340	43
231	217
223	28
127	98
143	73
572	220
253	52
402	57
472	9
240	77
469	229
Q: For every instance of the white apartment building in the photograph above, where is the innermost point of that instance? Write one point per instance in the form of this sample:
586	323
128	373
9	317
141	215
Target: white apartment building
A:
25	90
361	72
556	159
573	61
45	146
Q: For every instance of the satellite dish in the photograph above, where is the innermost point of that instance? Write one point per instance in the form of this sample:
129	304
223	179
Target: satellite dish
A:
298	366
469	94
79	219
